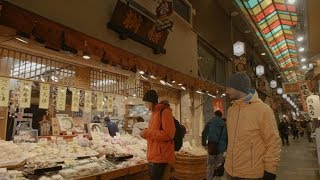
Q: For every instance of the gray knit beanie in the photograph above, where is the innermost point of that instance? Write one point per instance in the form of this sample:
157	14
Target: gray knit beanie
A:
240	81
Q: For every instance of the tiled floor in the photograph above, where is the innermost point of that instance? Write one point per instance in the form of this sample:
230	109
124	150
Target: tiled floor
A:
299	161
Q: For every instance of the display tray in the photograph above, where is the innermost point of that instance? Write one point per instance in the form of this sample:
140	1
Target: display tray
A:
13	164
118	159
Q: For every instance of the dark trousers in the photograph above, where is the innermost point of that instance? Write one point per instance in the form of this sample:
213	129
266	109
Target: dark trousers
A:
295	134
309	136
157	170
285	137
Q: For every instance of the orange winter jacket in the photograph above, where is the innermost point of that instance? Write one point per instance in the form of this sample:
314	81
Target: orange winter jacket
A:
160	140
253	139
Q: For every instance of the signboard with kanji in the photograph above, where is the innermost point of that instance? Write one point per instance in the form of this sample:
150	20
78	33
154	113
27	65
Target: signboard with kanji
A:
313	104
218	104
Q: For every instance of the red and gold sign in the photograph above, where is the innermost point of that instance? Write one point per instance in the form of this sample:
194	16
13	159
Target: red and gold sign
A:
291	88
218	104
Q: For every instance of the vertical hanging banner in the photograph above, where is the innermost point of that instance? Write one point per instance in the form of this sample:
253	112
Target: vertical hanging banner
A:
218	104
87	101
305	92
99	101
313	103
61	98
4	91
25	94
75	100
110	103
44	96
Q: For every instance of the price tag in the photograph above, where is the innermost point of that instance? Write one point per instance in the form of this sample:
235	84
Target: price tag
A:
69	133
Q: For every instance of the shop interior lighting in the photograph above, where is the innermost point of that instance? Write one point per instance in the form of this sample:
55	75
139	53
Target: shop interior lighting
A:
310	66
141	72
169	84
173	82
152	77
184	88
180	84
291	1
209	94
145	78
263	54
300	38
279	91
199	92
301	49
223	95
303	59
86	56
42	79
288	99
304	67
163	82
21	39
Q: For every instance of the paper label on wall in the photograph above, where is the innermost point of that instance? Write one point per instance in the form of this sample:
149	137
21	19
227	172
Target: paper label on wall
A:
87	101
4	91
75	100
110	103
61	98
100	101
313	104
305	92
44	96
25	94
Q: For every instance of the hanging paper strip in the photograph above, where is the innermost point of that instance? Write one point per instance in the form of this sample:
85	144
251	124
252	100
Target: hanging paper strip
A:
75	100
305	92
87	101
313	103
4	91
25	94
61	98
100	101
110	103
44	96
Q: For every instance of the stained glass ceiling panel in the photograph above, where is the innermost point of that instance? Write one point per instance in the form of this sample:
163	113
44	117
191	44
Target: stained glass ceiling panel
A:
274	19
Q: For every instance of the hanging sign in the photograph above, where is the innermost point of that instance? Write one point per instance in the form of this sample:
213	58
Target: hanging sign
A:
305	92
240	64
87	101
100	101
61	98
25	94
164	11
110	103
4	91
44	96
291	88
218	104
75	100
313	103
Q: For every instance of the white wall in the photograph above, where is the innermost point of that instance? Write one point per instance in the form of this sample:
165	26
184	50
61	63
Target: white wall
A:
91	18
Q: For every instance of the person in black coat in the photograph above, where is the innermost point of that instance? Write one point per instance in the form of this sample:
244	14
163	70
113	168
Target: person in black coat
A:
284	132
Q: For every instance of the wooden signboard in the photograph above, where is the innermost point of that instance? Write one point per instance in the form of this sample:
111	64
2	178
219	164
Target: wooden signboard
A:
129	23
3	122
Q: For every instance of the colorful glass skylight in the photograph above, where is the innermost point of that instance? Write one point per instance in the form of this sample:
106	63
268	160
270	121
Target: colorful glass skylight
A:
274	19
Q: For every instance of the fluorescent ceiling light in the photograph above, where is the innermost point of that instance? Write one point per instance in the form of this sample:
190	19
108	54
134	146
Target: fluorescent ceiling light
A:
301	49
300	38
303	59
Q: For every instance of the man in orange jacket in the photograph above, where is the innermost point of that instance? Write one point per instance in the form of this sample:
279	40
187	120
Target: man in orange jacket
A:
253	150
159	135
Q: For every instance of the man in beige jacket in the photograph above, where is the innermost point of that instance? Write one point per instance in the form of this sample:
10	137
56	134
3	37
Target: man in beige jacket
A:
253	150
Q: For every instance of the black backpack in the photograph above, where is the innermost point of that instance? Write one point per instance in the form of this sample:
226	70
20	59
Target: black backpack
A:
179	135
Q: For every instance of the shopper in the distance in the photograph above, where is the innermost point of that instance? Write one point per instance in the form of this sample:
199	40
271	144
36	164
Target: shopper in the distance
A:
159	135
253	150
309	130
215	132
112	127
284	132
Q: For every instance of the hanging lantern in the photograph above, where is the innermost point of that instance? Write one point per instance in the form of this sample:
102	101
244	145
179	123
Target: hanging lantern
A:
279	91
284	96
260	70
288	99
273	84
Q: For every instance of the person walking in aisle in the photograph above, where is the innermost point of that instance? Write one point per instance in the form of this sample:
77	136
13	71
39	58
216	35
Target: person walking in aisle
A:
254	146
295	131
284	132
309	130
215	132
159	135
